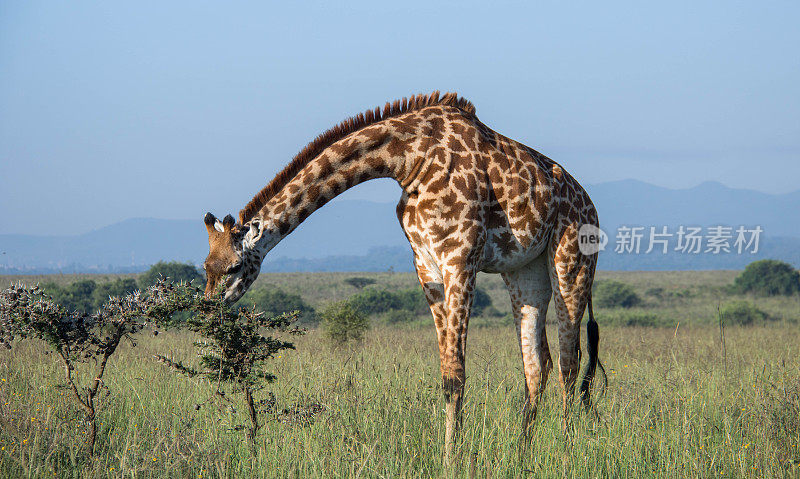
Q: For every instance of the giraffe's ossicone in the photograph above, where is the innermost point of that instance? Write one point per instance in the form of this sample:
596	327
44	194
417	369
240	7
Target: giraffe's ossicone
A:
473	200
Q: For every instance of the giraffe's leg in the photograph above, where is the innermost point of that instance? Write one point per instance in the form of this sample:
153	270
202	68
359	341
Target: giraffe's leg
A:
431	281
451	369
459	290
530	291
571	275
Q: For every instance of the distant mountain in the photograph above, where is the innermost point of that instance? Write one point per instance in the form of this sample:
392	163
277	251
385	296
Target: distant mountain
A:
770	247
388	258
352	235
341	228
399	258
131	243
631	202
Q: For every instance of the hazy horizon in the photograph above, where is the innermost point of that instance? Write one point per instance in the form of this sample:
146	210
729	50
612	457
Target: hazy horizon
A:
377	191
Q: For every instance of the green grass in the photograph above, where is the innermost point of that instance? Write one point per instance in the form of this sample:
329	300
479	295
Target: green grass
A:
673	407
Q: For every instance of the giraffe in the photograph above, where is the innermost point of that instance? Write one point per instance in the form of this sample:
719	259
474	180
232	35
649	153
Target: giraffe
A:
472	200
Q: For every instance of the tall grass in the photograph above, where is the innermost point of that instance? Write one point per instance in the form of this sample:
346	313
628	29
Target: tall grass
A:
670	411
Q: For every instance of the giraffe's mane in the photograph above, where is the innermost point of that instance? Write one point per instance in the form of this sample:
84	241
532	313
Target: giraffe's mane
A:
331	136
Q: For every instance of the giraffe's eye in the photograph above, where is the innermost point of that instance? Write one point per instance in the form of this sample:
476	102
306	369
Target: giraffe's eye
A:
234	268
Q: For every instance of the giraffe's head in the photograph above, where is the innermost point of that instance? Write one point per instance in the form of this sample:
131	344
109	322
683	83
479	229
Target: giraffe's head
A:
229	258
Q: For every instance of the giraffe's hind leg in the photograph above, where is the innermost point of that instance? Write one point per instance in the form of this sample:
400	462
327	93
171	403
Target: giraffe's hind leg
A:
571	276
530	291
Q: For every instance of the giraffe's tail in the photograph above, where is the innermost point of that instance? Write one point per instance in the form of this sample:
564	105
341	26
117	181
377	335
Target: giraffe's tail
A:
593	340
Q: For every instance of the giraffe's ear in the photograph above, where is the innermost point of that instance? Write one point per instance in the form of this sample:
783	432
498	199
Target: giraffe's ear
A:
211	222
228	222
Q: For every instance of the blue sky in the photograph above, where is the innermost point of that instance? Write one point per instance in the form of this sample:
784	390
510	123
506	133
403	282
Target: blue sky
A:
171	109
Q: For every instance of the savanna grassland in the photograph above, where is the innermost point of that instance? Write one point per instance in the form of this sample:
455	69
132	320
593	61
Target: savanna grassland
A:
680	402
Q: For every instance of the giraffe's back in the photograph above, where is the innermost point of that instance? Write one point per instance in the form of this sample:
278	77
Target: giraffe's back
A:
495	193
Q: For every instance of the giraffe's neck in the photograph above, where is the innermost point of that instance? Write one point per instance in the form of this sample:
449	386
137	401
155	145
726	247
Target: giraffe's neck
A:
378	151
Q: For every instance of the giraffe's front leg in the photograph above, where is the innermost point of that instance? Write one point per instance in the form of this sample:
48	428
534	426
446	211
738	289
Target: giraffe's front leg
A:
459	290
451	363
431	282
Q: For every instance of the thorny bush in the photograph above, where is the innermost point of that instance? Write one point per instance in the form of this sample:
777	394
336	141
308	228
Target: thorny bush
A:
233	350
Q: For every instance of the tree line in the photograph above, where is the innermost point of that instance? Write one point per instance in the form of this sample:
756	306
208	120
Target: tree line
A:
392	306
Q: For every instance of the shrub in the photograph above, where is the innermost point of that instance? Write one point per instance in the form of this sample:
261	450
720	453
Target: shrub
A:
174	270
373	301
482	305
681	293
657	292
233	351
119	287
71	296
78	296
359	282
623	318
76	336
397	316
480	302
413	300
274	301
344	322
86	295
613	294
742	313
768	277
376	301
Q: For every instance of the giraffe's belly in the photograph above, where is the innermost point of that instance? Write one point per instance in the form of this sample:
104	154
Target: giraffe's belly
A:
505	251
